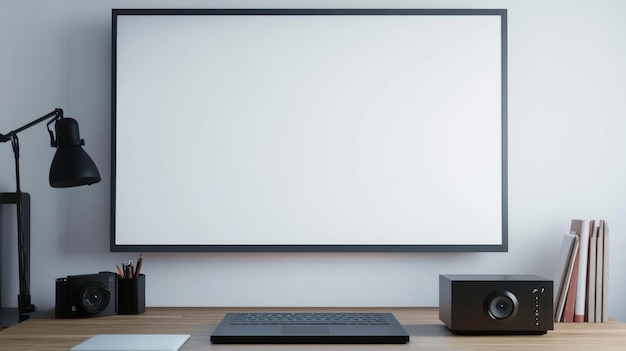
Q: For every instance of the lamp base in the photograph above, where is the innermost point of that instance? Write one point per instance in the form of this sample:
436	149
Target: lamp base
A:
25	305
10	316
23	299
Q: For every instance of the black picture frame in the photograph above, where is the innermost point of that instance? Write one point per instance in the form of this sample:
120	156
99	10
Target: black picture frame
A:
502	246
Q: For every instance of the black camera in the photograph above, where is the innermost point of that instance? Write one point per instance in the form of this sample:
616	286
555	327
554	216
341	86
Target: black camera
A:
88	295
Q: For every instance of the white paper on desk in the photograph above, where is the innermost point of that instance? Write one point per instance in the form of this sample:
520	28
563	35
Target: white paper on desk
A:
132	342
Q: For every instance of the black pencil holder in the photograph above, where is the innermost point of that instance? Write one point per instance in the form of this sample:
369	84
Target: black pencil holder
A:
131	295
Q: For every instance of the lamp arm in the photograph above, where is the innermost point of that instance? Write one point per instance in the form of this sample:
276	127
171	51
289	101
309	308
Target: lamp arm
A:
24	298
54	116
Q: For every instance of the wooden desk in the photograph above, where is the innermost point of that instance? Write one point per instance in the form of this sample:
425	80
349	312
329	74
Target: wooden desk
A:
427	332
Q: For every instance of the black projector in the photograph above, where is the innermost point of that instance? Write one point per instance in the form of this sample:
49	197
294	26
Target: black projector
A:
496	304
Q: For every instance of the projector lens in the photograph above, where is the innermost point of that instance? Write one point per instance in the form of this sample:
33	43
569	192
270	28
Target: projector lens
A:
502	305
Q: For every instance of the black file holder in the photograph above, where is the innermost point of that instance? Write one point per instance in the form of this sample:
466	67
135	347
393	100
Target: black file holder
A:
131	295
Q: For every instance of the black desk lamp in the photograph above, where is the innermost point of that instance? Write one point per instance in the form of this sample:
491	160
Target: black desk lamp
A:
71	166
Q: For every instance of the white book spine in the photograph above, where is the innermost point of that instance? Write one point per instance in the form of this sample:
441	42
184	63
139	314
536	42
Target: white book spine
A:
581	285
599	272
605	279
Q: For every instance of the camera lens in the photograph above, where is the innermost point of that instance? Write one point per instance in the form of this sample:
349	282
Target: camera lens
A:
502	305
94	297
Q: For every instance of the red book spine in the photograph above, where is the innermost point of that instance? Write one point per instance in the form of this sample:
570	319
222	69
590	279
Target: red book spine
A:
570	300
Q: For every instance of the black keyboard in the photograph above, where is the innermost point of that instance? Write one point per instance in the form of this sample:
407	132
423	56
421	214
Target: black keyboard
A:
304	318
309	328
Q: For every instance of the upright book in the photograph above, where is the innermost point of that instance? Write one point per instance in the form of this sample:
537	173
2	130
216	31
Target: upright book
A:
605	274
570	299
563	276
581	285
590	304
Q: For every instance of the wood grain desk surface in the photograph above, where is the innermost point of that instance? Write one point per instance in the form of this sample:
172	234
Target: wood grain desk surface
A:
426	332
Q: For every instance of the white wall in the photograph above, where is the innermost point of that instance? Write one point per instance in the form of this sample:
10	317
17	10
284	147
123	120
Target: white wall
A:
567	158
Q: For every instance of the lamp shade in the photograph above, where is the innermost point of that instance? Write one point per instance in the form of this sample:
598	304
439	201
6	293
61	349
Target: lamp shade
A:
71	165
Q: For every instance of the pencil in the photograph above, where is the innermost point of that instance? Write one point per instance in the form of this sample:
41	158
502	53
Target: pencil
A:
138	269
119	271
